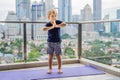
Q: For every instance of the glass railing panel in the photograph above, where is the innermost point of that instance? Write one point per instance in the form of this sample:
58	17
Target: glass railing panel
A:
69	45
103	45
11	43
37	43
37	46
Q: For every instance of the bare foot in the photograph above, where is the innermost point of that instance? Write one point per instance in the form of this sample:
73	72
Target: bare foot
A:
60	71
49	71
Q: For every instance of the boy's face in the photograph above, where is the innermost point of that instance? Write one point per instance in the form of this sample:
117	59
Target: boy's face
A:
52	17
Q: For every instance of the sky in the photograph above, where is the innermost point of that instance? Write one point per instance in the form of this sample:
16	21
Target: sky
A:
8	5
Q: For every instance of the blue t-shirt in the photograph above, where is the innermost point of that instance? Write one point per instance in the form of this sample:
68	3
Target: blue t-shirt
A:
54	34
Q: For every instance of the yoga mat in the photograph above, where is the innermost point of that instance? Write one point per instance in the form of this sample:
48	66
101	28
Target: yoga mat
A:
40	74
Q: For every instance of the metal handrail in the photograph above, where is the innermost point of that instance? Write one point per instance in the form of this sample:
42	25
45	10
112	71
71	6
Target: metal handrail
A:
79	31
80	22
25	36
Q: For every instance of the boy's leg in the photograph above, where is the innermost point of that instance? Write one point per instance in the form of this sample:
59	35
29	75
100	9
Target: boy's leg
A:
58	56
57	48
50	63
50	51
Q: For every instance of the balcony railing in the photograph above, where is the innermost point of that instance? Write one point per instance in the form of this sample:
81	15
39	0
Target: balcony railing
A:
86	41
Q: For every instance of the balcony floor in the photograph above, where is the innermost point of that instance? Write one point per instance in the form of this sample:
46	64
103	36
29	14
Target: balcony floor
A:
106	76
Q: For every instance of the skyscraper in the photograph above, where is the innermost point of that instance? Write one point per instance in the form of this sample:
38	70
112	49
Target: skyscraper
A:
48	5
97	13
106	25
12	29
118	13
88	29
38	11
23	9
22	12
65	14
65	10
87	16
118	17
113	27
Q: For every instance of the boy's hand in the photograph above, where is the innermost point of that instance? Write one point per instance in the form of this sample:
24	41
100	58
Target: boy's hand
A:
54	24
60	25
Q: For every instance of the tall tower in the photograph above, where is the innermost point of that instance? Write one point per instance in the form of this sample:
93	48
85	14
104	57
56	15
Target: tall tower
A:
106	25
65	14
65	10
87	16
48	5
118	13
38	11
22	12
113	27
23	9
12	29
97	13
118	17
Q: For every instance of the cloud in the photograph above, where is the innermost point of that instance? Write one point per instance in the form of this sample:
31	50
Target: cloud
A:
77	5
7	5
110	4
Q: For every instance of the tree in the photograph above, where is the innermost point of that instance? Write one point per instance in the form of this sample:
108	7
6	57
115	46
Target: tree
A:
4	48
96	49
18	45
39	47
87	53
108	44
65	36
3	37
69	51
33	55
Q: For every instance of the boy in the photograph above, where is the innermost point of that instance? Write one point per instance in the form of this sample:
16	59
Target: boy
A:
54	39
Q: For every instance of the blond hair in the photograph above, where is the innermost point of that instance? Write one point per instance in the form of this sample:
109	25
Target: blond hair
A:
52	11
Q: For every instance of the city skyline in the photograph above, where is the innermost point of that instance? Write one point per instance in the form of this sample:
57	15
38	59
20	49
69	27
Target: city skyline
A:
8	6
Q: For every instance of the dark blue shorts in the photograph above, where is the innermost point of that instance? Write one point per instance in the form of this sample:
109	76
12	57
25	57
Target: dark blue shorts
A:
54	47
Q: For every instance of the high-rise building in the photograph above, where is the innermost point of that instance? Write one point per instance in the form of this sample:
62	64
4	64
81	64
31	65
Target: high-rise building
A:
38	10
118	17
64	10
81	15
12	29
23	12
23	9
106	24
2	28
48	5
113	27
118	13
74	27
65	14
2	32
88	32
75	18
97	8
38	13
87	16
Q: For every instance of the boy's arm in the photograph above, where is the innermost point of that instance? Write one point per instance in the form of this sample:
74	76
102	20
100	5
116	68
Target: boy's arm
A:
63	24
48	28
